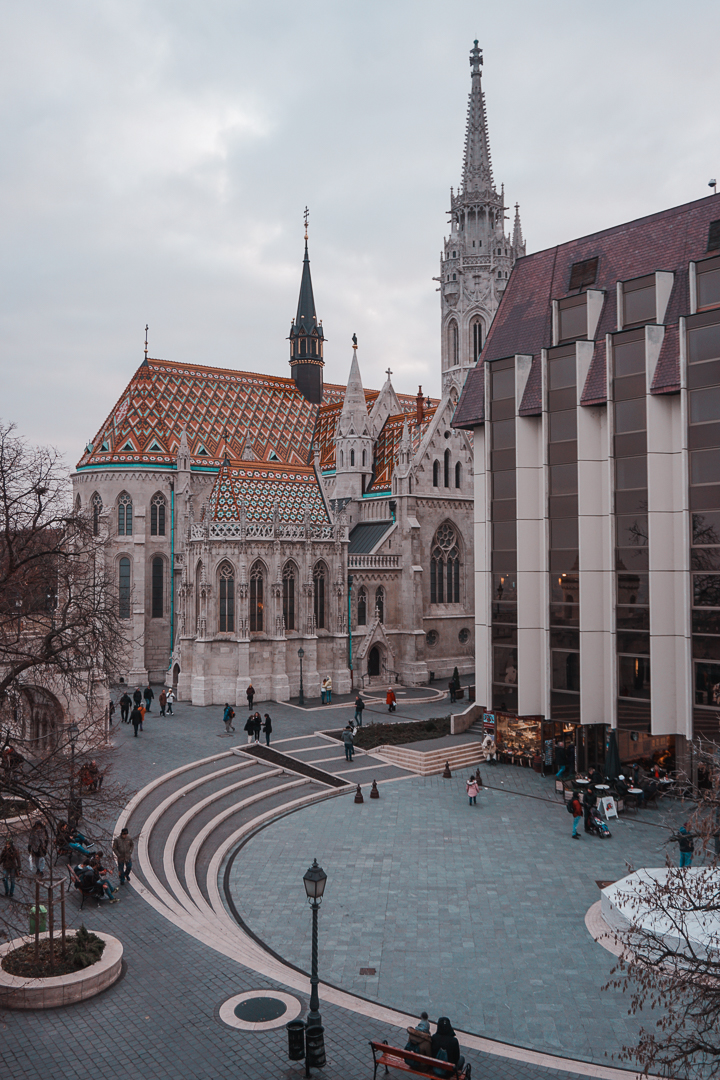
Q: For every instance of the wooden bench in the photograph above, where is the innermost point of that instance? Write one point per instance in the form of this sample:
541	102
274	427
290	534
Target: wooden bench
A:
392	1057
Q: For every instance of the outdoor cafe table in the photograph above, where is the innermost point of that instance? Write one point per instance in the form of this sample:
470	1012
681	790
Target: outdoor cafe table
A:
602	787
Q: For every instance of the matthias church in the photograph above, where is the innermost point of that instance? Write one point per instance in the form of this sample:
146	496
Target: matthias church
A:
257	522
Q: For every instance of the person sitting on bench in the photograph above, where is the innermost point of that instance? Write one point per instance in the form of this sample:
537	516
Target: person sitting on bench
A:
444	1044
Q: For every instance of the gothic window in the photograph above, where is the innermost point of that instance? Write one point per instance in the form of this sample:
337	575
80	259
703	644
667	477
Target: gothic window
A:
78	504
96	511
289	578
342	459
124	588
477	340
157	515
446	469
436	474
380	602
157	587
257	598
226	577
352	458
453	343
445	567
364	459
458	474
319	580
124	515
362	607
198	583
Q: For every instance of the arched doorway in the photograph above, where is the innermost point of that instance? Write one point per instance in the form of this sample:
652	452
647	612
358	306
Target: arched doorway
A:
40	717
175	674
374	662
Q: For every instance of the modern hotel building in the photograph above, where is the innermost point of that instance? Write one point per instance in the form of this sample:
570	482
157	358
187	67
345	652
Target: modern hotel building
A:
595	408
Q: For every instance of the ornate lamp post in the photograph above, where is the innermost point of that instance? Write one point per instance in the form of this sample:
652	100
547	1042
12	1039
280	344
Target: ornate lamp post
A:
73	731
314	882
301	699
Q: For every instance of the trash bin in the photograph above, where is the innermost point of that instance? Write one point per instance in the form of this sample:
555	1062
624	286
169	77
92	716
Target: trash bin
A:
296	1039
315	1047
42	920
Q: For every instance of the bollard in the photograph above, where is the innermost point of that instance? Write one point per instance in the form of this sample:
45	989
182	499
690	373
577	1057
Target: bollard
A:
374	793
359	795
478	778
315	1047
296	1039
447	775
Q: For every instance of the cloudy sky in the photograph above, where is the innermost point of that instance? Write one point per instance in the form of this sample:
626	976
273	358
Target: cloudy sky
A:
156	157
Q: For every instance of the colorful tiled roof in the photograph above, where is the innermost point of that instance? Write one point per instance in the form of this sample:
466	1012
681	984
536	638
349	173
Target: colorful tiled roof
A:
265	491
666	241
387	447
328	417
217	407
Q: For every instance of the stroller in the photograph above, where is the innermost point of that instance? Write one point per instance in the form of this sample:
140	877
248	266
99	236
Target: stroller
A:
597	824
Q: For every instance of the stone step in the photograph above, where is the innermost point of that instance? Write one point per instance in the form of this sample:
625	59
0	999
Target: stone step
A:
431	762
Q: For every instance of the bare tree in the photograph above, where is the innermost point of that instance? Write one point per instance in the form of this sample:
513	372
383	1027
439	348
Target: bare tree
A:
671	959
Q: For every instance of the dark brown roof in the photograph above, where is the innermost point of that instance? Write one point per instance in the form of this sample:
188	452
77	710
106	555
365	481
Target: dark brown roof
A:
668	241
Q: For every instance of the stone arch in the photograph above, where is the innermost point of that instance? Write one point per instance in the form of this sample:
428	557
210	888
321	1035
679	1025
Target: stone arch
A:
40	718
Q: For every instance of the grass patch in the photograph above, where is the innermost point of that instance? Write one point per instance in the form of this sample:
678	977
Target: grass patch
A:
367	738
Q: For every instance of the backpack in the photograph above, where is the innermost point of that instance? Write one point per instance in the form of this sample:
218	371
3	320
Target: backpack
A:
569	806
232	714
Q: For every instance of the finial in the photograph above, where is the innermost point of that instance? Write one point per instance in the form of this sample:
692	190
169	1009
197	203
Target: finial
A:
354	341
476	59
146	339
306	215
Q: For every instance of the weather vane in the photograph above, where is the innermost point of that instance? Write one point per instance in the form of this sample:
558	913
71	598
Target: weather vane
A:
146	339
306	215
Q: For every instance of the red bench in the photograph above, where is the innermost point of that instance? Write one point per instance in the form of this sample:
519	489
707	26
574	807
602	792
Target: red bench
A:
392	1057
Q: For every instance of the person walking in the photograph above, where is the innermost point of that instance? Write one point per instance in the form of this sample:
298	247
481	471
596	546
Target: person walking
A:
249	727
390	699
452	687
347	738
250	695
359	706
125	703
170	700
589	800
148	695
228	717
471	787
142	710
684	840
37	847
162	701
111	711
577	812
136	719
267	728
256	725
323	691
122	847
10	865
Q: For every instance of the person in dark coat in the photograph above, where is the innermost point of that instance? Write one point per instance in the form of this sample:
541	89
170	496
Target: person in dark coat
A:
589	801
256	725
452	687
250	695
137	696
267	728
148	695
359	706
445	1039
684	840
136	719
125	703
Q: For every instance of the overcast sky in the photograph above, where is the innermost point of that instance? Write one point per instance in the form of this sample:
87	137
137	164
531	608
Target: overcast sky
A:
156	157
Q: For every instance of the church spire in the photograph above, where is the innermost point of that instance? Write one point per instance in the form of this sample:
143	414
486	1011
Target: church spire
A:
307	338
517	241
477	166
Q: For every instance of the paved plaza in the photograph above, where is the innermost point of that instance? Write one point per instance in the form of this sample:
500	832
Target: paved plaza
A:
476	913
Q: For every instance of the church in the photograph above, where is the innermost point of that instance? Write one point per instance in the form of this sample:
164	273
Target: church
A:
267	530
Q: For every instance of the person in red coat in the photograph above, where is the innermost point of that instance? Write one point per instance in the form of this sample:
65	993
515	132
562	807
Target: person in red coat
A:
390	699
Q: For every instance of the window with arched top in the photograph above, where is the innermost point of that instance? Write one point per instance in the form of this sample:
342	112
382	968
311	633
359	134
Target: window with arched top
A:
364	459
458	474
124	588
453	342
96	503
226	594
362	606
319	590
352	457
257	598
158	507
476	340
289	586
380	602
157	571
198	583
342	459
446	469
124	505
436	474
445	566
78	504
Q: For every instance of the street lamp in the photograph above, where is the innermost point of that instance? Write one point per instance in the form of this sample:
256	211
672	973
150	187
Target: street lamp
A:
73	731
301	699
314	882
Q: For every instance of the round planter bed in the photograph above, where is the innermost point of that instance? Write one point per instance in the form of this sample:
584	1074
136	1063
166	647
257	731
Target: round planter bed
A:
17	993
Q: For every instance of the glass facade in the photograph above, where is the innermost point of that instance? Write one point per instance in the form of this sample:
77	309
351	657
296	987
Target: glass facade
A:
563	516
631	529
503	515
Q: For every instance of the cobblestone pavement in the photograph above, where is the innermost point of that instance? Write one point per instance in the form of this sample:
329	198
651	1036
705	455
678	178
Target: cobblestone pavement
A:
161	1019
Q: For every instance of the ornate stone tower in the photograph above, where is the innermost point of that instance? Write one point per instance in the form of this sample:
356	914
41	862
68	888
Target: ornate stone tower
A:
478	255
307	339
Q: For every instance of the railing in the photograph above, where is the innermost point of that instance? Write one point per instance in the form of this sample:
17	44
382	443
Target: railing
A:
373	562
263	530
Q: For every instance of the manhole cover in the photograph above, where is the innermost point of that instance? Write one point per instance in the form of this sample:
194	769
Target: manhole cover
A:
367	971
260	1010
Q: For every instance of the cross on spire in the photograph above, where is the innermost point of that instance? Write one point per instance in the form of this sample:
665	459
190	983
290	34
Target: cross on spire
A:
306	215
146	339
388	372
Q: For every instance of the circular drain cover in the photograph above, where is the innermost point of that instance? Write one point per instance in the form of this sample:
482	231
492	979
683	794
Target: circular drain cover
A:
259	1010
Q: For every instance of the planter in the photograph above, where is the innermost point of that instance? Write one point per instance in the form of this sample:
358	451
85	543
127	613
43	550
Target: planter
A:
17	993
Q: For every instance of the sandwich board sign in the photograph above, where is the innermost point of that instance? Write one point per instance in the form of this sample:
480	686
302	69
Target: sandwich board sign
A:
609	807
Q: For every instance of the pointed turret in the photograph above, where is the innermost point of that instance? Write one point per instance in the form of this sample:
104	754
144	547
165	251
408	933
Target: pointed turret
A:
477	165
353	439
307	339
517	241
